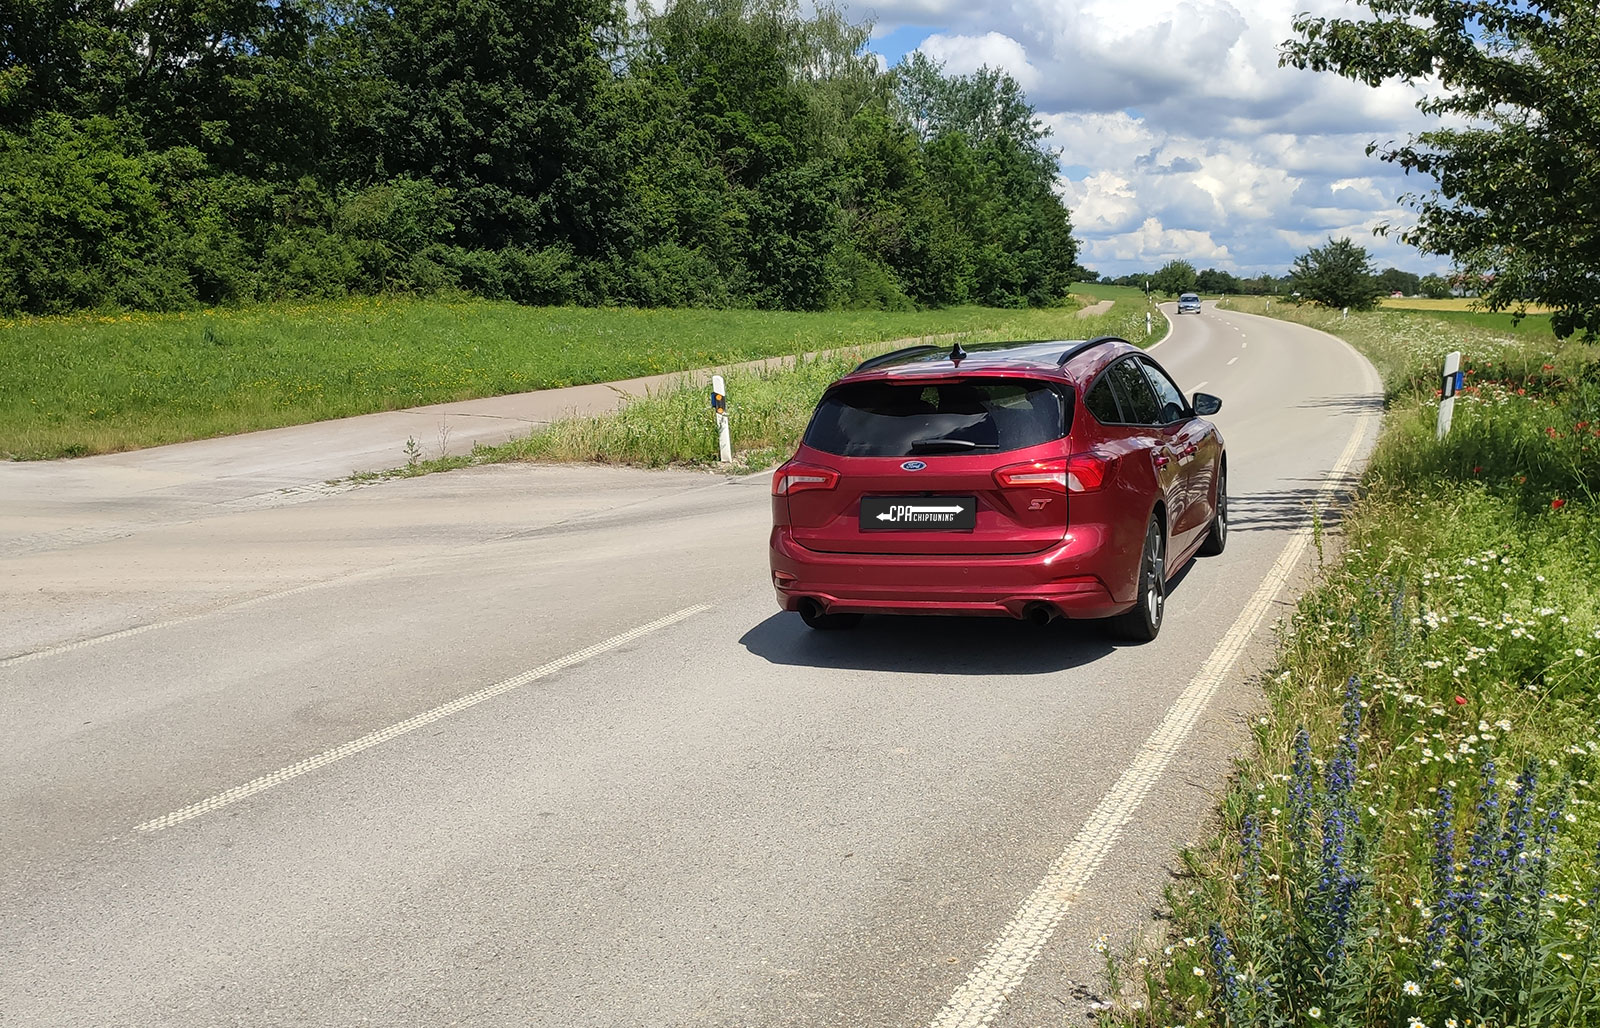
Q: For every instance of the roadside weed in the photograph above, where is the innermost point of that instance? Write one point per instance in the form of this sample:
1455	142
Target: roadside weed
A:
1413	841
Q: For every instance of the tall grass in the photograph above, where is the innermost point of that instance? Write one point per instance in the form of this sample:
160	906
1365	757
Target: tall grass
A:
767	410
91	384
1414	841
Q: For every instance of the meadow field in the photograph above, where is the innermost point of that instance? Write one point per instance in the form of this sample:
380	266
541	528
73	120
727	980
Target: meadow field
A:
1096	291
1454	303
83	384
767	409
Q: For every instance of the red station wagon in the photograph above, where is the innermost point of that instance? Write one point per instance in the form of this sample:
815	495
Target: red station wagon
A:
1029	479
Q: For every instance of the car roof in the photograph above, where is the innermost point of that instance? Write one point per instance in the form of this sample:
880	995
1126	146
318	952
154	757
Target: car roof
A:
1049	356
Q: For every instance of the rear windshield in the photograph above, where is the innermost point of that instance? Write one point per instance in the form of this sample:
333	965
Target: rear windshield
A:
888	419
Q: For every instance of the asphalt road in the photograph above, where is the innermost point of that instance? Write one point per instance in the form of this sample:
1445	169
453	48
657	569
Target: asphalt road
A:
531	745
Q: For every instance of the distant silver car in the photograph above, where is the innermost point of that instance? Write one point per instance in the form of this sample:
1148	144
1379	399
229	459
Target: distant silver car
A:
1188	303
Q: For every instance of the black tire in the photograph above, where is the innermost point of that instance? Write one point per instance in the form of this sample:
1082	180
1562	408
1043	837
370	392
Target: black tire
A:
811	613
1217	534
1143	622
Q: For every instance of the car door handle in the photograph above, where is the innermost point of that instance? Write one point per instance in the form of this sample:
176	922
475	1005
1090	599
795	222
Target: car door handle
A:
1190	450
1162	460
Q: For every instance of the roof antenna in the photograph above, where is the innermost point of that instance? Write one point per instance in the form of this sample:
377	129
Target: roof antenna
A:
957	354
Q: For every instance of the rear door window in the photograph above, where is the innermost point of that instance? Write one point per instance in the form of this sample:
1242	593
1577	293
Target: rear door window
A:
1138	400
1102	402
913	419
1173	406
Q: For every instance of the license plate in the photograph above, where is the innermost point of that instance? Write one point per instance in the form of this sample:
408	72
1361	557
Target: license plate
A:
919	513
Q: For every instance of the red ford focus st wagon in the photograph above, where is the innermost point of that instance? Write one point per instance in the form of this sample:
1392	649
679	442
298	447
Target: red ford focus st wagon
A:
1029	479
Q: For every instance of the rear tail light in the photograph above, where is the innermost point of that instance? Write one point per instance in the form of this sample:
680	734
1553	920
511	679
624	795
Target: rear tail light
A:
797	478
1080	473
1086	472
1041	474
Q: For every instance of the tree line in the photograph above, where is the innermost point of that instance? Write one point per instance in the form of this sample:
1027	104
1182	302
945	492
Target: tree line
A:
1340	274
158	155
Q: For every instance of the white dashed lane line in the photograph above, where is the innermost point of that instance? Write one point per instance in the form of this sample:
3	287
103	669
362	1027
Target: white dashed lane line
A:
439	713
1232	362
979	999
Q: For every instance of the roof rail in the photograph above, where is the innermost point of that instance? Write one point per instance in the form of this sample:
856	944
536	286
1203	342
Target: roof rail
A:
884	358
1074	350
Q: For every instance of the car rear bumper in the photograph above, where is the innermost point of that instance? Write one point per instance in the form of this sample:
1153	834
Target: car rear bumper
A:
1008	585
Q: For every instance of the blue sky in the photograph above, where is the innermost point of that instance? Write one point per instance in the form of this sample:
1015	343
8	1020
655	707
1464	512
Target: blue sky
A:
1180	136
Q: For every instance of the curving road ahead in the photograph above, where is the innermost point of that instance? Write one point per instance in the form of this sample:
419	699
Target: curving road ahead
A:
530	745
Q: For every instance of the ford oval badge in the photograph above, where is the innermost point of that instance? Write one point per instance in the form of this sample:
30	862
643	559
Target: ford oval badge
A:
913	465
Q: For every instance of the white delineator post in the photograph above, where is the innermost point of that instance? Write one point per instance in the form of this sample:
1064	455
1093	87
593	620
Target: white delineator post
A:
719	404
1448	387
1147	328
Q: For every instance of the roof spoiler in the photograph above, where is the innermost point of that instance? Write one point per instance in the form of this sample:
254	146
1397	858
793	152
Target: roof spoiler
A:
1088	344
884	358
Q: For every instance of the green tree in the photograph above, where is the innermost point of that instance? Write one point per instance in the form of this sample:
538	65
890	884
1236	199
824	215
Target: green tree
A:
1263	285
162	153
1434	287
1336	275
81	221
1393	280
1176	276
495	101
1517	201
1213	281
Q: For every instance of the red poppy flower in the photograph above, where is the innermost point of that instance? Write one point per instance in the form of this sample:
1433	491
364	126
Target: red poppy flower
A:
1461	701
1557	503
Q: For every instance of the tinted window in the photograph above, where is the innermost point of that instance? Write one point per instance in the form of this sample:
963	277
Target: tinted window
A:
1173	406
1102	403
886	419
1133	389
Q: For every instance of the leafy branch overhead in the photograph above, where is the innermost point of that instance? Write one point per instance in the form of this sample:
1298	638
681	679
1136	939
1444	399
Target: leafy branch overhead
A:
1516	200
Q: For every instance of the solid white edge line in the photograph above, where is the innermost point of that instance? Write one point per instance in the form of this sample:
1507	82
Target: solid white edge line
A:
979	999
383	735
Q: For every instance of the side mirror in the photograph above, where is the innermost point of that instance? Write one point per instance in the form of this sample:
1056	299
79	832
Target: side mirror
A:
1206	405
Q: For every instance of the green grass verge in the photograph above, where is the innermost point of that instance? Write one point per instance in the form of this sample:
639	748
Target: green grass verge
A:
1122	294
92	384
767	410
1414	839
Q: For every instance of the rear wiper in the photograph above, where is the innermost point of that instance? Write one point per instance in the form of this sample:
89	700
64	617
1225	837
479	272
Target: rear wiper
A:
937	445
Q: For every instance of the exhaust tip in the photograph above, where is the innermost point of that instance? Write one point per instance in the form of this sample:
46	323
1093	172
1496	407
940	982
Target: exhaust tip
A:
1040	613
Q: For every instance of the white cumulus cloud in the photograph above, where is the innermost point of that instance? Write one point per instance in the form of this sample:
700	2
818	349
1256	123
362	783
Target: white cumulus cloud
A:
1180	136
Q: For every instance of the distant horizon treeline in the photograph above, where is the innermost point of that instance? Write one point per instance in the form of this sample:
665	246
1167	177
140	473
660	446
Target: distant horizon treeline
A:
1179	276
159	155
